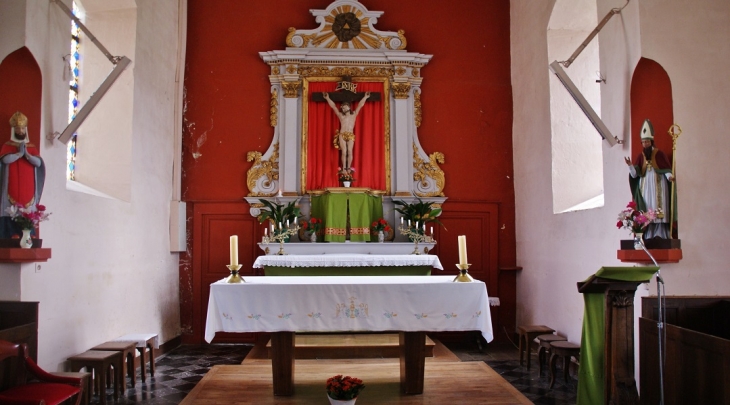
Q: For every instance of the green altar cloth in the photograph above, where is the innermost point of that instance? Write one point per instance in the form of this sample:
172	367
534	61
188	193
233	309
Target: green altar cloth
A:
332	208
591	387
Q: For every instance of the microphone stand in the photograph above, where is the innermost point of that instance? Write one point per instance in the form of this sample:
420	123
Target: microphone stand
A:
660	322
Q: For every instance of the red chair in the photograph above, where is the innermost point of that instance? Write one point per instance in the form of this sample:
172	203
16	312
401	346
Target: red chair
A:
32	385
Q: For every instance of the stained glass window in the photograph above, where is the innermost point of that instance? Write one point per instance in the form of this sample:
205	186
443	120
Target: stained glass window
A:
73	93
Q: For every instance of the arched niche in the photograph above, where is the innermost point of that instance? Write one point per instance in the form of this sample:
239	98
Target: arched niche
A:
21	83
651	97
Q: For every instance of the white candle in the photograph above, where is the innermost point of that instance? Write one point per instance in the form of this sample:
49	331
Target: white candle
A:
280	225
272	228
424	227
431	230
401	220
462	249
409	223
287	223
234	250
266	231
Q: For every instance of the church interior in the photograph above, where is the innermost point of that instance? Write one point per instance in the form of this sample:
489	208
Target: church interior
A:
164	128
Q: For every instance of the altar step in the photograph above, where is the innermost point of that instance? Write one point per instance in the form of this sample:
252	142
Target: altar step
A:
348	346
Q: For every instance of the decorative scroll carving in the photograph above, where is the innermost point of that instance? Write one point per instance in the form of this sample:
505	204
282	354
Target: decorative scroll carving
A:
622	300
401	90
429	170
291	88
395	43
340	71
274	107
262	177
417	113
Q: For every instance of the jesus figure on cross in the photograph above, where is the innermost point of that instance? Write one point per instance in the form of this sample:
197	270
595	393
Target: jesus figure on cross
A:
346	135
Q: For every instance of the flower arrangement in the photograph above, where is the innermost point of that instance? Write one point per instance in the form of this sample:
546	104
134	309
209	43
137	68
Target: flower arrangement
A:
380	225
346	174
633	219
344	388
313	225
28	218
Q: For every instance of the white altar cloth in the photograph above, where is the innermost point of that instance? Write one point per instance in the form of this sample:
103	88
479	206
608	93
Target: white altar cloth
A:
335	304
347	260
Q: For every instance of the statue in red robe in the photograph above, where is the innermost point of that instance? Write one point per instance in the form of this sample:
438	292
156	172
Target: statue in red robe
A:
22	173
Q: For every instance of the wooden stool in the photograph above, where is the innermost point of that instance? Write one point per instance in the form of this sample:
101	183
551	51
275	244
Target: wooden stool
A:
566	350
544	341
98	362
528	333
143	341
85	382
128	353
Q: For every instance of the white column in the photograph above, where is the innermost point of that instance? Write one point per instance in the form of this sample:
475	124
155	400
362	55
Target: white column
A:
402	153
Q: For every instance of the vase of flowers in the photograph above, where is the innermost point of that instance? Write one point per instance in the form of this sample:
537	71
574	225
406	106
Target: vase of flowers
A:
636	221
343	390
346	176
313	226
27	219
381	227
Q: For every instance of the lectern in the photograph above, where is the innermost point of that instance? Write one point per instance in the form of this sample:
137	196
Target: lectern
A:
607	344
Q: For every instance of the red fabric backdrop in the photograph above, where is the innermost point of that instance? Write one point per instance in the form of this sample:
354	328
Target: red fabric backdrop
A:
323	159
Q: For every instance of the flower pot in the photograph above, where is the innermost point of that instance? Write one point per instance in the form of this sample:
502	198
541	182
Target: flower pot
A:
313	237
341	401
346	183
25	241
381	236
638	236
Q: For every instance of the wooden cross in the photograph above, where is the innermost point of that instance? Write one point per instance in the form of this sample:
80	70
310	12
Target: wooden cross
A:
346	91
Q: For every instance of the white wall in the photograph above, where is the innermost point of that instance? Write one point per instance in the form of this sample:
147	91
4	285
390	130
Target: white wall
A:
111	272
689	39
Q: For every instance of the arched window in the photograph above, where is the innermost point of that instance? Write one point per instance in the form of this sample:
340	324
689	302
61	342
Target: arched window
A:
577	154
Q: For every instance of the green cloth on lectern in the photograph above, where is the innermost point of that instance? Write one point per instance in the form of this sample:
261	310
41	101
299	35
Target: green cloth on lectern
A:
591	389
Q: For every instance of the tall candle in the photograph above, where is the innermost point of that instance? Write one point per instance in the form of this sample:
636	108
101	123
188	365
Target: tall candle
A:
462	249
287	223
234	250
431	230
272	228
280	227
401	220
266	231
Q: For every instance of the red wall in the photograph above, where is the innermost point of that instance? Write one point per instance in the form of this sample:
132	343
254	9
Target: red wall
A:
651	97
466	96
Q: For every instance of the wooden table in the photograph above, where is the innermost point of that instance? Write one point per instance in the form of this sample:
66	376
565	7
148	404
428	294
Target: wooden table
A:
410	305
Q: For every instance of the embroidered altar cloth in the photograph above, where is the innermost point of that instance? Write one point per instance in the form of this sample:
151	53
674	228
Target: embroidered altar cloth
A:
336	304
347	260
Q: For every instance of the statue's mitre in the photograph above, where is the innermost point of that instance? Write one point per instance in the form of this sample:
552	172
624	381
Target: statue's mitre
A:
647	130
18	120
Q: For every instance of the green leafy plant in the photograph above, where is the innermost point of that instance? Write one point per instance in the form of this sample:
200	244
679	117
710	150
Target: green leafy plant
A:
279	213
419	212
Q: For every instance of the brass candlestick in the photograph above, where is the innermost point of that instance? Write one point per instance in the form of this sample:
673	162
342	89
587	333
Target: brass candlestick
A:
234	278
463	276
416	236
282	234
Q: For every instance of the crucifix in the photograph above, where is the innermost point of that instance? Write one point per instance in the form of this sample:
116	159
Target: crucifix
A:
344	140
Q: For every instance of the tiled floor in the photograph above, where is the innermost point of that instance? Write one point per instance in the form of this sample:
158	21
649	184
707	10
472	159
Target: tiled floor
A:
177	373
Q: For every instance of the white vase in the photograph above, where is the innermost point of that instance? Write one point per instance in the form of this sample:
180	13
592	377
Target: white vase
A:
381	237
313	237
346	183
341	401
25	241
638	241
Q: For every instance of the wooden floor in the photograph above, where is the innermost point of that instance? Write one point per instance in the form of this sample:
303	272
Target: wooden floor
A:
447	381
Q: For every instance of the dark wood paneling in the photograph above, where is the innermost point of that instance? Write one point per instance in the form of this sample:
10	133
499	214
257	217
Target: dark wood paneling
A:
213	224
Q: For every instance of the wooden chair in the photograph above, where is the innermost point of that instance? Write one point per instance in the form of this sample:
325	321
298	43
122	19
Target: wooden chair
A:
45	388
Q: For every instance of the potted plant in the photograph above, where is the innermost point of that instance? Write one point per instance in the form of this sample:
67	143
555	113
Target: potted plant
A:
343	390
313	226
381	227
279	215
346	176
418	213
